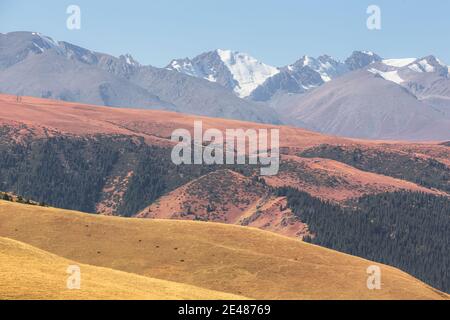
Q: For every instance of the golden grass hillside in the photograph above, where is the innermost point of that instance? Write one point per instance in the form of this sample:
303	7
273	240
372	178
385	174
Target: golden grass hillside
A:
30	273
226	258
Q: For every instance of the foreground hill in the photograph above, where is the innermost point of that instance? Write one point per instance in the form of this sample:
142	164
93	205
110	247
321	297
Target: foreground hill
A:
30	273
242	261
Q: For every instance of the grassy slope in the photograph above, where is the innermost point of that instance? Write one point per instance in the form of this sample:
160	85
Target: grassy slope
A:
237	260
31	273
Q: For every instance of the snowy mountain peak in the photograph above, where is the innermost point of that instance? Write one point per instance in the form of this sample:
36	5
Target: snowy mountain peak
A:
327	67
429	64
252	79
182	65
369	53
42	43
399	63
392	76
44	38
248	72
128	58
361	59
235	70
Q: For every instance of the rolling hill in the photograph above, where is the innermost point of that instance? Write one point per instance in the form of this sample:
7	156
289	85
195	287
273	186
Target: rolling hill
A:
29	273
237	260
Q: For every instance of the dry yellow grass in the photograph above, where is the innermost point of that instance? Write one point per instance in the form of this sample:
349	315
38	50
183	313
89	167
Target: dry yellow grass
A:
226	258
30	273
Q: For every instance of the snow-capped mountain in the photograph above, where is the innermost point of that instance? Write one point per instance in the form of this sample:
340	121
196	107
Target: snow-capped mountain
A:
363	105
309	73
234	70
410	70
361	59
429	64
327	67
399	63
392	98
252	79
427	78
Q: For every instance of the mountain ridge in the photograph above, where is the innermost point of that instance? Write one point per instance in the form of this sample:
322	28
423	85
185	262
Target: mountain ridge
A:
33	64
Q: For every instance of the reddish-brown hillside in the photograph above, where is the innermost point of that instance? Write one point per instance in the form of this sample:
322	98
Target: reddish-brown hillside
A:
43	116
228	197
224	195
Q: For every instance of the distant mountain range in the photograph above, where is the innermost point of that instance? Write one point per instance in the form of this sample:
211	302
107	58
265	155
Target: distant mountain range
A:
249	78
390	99
233	70
364	96
35	65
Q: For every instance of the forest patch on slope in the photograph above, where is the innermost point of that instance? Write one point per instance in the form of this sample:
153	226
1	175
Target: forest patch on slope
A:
404	229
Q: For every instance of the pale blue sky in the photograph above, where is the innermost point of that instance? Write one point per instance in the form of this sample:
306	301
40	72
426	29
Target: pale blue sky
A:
276	31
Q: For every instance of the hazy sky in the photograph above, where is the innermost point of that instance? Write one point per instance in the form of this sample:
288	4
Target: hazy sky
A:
275	31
